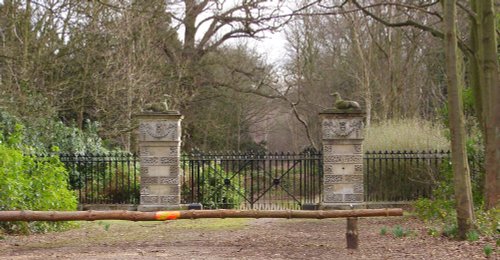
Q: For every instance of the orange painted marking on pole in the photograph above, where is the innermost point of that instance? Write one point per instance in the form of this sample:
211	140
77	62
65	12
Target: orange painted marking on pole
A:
167	215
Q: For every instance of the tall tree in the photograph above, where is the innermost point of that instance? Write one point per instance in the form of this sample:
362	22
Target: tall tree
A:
208	25
485	81
463	191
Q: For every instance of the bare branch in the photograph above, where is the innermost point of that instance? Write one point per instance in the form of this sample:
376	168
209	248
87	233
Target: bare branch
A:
411	23
469	12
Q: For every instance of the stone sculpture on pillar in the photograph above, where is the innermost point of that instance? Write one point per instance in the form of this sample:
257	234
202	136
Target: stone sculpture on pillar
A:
342	137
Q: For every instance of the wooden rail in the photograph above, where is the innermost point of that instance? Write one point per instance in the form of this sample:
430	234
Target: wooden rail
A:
91	215
351	215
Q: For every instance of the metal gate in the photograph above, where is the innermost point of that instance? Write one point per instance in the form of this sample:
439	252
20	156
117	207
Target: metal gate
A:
252	180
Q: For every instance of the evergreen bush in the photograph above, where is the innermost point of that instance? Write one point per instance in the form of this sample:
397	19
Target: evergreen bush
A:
30	183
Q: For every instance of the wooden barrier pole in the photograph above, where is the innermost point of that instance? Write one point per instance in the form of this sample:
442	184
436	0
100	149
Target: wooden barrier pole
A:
351	235
190	214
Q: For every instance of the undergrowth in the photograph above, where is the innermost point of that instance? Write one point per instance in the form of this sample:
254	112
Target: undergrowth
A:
30	183
405	134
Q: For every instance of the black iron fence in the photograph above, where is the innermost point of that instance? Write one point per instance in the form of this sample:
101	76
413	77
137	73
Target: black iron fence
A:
261	180
252	180
108	178
409	175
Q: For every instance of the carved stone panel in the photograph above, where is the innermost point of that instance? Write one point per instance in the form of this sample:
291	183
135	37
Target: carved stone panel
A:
331	179
358	188
163	190
160	171
170	200
168	180
144	190
353	198
148	180
355	178
331	197
159	131
349	128
344	188
159	151
337	149
336	159
339	168
149	199
358	169
358	148
328	169
158	161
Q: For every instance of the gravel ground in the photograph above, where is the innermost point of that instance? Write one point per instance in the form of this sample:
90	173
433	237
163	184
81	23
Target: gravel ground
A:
242	239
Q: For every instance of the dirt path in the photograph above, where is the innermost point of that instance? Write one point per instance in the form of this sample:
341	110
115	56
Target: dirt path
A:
240	239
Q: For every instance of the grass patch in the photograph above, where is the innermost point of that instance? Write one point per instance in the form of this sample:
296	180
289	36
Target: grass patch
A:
472	236
112	232
210	224
400	232
383	231
488	250
407	134
450	230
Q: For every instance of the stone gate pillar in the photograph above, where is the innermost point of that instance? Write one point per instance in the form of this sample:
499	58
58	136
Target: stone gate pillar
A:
342	137
159	151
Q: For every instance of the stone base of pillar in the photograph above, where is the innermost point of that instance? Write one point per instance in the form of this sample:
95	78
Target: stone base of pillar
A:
148	208
342	206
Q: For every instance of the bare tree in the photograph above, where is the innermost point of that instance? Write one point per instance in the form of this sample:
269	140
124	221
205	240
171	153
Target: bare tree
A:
463	191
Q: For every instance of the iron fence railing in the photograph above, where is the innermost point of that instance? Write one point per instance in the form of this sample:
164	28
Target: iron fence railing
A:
252	180
261	180
107	178
409	175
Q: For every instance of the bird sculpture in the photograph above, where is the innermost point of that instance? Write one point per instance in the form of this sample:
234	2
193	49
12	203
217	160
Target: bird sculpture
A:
344	104
158	107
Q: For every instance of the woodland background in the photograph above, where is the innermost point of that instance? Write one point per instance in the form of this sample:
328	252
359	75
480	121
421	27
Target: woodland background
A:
91	65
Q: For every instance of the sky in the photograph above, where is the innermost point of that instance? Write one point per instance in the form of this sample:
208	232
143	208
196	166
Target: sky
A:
272	47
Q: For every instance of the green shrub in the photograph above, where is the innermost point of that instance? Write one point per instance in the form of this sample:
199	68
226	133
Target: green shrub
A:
41	134
488	222
214	192
400	232
472	236
435	210
450	230
383	231
488	250
28	183
433	232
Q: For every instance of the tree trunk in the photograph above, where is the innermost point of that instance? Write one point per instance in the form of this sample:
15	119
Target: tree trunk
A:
484	72
463	194
488	60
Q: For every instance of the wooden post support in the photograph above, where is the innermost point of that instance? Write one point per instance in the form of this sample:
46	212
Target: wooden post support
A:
352	233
